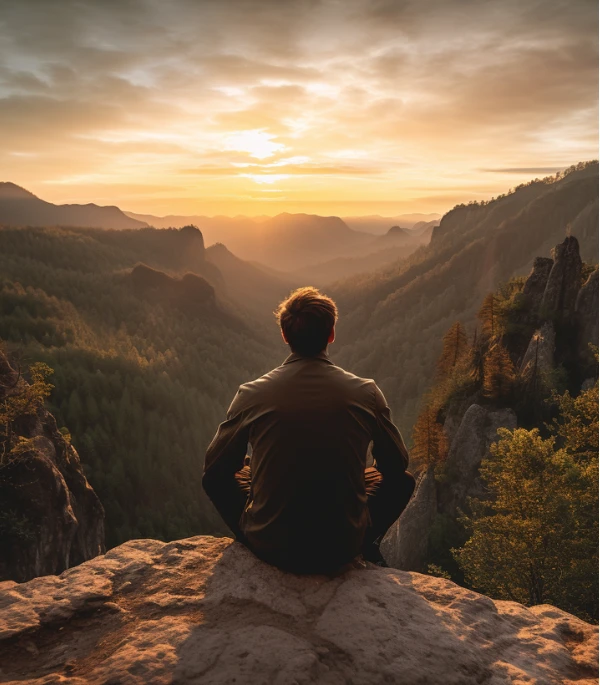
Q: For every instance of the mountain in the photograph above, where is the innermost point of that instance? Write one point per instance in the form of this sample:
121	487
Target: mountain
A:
375	224
19	207
292	241
206	611
425	227
285	242
253	287
319	248
391	321
398	243
380	224
178	221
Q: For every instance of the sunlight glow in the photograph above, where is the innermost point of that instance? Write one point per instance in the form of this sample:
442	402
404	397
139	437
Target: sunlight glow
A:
256	143
266	178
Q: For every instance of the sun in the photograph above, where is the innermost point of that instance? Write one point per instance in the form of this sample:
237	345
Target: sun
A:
257	143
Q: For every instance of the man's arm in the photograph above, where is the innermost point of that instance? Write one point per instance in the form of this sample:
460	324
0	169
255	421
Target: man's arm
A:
389	451
224	457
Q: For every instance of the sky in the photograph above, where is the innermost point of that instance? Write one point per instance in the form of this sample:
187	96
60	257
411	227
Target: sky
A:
347	107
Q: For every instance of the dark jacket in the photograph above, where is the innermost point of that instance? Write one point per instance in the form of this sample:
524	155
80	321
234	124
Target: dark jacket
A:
309	424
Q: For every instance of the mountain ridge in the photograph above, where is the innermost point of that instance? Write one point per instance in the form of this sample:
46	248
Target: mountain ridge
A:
19	207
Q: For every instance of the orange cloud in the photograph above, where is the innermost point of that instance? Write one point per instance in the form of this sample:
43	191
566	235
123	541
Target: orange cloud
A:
211	107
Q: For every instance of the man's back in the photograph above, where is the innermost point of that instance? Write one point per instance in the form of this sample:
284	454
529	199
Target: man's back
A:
309	424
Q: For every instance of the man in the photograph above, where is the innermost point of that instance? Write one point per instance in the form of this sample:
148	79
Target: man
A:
306	502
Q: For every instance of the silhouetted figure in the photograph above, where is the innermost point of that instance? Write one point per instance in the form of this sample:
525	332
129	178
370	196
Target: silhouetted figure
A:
306	502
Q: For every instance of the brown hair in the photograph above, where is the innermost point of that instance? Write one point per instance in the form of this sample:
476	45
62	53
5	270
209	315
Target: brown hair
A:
306	318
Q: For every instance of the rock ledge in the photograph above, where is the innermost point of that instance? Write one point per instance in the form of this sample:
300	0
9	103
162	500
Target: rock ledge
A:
204	610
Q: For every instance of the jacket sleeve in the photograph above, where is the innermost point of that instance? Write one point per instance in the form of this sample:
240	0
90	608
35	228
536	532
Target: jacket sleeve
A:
389	451
224	458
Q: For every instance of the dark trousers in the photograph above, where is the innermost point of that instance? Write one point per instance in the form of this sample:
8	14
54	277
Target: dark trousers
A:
386	500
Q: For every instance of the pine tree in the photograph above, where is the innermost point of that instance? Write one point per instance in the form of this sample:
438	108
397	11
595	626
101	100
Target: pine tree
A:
489	317
498	373
429	439
454	349
476	359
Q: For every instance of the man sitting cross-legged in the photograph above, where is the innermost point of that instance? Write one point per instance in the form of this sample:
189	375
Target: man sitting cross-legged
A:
306	502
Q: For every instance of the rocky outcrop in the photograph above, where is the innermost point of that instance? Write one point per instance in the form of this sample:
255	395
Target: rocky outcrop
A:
586	310
538	360
476	433
405	544
535	285
204	611
191	246
50	518
564	280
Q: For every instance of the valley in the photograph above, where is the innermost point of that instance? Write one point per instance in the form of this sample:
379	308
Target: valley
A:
149	331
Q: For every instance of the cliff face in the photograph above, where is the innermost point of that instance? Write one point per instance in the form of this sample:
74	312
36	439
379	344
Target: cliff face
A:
206	611
51	518
560	318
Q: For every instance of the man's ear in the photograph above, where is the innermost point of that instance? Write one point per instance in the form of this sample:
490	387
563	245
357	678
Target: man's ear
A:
283	336
331	336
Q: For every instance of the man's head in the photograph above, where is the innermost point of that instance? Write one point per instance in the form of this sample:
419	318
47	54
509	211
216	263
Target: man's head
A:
307	319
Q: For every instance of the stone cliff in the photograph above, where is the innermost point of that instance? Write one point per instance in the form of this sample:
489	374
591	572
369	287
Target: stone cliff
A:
559	315
50	518
206	611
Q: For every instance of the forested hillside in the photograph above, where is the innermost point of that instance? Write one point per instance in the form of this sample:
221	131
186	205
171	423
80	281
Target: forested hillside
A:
392	321
142	375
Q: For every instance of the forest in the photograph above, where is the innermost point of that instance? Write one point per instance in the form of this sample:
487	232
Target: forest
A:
139	384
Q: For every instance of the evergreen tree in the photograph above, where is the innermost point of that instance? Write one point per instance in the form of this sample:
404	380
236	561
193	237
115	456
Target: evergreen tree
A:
498	373
489	315
454	348
429	439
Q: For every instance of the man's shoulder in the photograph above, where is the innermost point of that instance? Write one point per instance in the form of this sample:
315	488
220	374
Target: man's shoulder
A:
365	388
367	384
261	383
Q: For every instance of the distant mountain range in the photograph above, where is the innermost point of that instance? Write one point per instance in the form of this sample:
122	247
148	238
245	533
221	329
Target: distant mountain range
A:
320	249
307	245
19	207
369	224
380	224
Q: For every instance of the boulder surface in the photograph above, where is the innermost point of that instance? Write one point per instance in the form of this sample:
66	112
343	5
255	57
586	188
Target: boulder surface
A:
204	610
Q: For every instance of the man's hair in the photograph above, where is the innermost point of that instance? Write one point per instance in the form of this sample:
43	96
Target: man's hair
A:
306	318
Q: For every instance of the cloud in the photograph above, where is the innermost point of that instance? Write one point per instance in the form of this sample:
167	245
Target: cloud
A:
423	93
